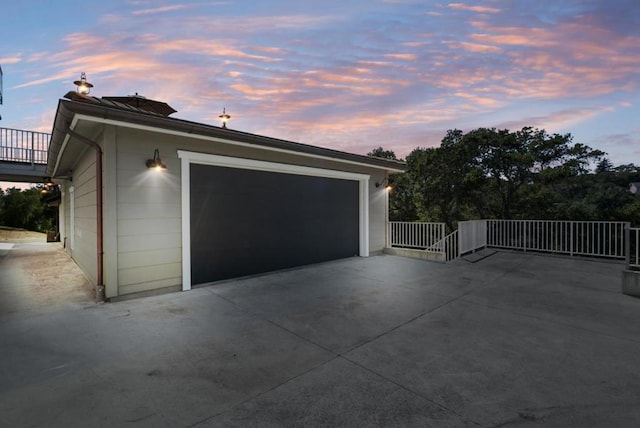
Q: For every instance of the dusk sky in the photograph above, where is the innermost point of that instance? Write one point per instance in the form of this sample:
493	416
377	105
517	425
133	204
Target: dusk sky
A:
350	75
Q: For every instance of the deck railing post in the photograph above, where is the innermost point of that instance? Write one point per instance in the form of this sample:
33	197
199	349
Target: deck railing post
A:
627	244
31	154
571	238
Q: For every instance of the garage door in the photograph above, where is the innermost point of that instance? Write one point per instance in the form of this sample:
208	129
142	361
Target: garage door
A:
246	221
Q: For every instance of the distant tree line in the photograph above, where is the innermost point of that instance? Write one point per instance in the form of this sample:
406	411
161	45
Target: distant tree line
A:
526	174
26	209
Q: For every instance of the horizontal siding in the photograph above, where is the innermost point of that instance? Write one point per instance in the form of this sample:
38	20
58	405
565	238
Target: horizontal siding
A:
149	242
149	214
155	195
142	210
85	221
148	226
135	259
149	179
144	274
146	286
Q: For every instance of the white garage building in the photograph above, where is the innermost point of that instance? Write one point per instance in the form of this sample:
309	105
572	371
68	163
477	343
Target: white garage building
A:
228	204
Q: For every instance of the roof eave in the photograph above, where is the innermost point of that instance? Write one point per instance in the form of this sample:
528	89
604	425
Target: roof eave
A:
67	109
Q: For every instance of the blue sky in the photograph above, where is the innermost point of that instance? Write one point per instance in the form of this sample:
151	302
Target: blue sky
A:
350	75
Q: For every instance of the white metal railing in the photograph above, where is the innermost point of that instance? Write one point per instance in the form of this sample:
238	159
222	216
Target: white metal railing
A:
586	238
17	145
472	235
449	245
414	234
633	247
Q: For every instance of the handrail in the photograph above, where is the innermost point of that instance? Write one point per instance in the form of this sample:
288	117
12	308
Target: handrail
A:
449	245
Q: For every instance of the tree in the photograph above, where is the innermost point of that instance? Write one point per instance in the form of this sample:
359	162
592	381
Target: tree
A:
379	152
604	166
448	180
25	209
515	160
527	174
401	196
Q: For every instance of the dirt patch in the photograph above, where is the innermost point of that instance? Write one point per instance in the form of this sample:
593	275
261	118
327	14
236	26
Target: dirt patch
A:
21	235
40	277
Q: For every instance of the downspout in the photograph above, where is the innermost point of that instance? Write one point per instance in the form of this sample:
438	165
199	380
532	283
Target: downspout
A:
100	290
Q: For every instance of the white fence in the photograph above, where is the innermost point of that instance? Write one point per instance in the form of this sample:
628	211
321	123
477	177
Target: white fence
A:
585	238
418	235
472	236
633	247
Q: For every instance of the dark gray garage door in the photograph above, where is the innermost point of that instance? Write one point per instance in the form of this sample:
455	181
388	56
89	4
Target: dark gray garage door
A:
245	222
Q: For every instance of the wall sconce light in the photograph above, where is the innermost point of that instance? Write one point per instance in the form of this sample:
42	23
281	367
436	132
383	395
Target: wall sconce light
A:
48	186
224	117
156	162
386	183
84	87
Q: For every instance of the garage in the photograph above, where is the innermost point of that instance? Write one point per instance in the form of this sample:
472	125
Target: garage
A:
218	203
248	217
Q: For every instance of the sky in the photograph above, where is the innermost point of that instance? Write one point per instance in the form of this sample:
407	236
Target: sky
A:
349	75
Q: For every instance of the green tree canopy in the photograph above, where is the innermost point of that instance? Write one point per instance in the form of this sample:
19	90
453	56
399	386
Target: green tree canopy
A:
25	209
526	174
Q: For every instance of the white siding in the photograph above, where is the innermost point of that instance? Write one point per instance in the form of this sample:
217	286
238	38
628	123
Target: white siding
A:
85	247
148	210
377	213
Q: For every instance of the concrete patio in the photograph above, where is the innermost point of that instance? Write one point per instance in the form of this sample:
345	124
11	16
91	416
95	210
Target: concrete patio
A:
511	340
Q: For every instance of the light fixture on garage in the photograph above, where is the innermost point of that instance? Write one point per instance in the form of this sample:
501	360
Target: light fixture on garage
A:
386	183
84	87
156	162
224	117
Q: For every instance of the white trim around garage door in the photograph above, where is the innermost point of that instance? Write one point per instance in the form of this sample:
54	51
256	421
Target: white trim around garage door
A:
188	158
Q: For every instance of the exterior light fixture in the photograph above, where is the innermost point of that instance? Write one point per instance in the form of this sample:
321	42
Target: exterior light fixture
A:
634	188
48	186
224	117
156	162
84	87
386	183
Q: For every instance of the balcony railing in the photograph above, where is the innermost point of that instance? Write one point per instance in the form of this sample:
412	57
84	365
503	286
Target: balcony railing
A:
17	145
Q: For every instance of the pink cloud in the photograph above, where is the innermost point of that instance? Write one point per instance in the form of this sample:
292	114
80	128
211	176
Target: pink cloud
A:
477	47
222	48
13	59
478	9
401	56
161	9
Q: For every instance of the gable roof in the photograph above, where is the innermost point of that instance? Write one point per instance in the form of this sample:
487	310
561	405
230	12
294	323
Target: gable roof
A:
111	110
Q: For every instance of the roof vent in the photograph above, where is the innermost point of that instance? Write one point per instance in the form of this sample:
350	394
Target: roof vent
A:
142	103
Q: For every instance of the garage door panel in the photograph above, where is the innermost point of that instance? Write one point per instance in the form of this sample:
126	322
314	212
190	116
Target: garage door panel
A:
246	221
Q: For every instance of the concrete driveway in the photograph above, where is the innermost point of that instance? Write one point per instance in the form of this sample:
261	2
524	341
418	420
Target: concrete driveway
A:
512	340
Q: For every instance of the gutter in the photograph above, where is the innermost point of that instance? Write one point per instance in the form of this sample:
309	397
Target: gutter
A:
100	289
